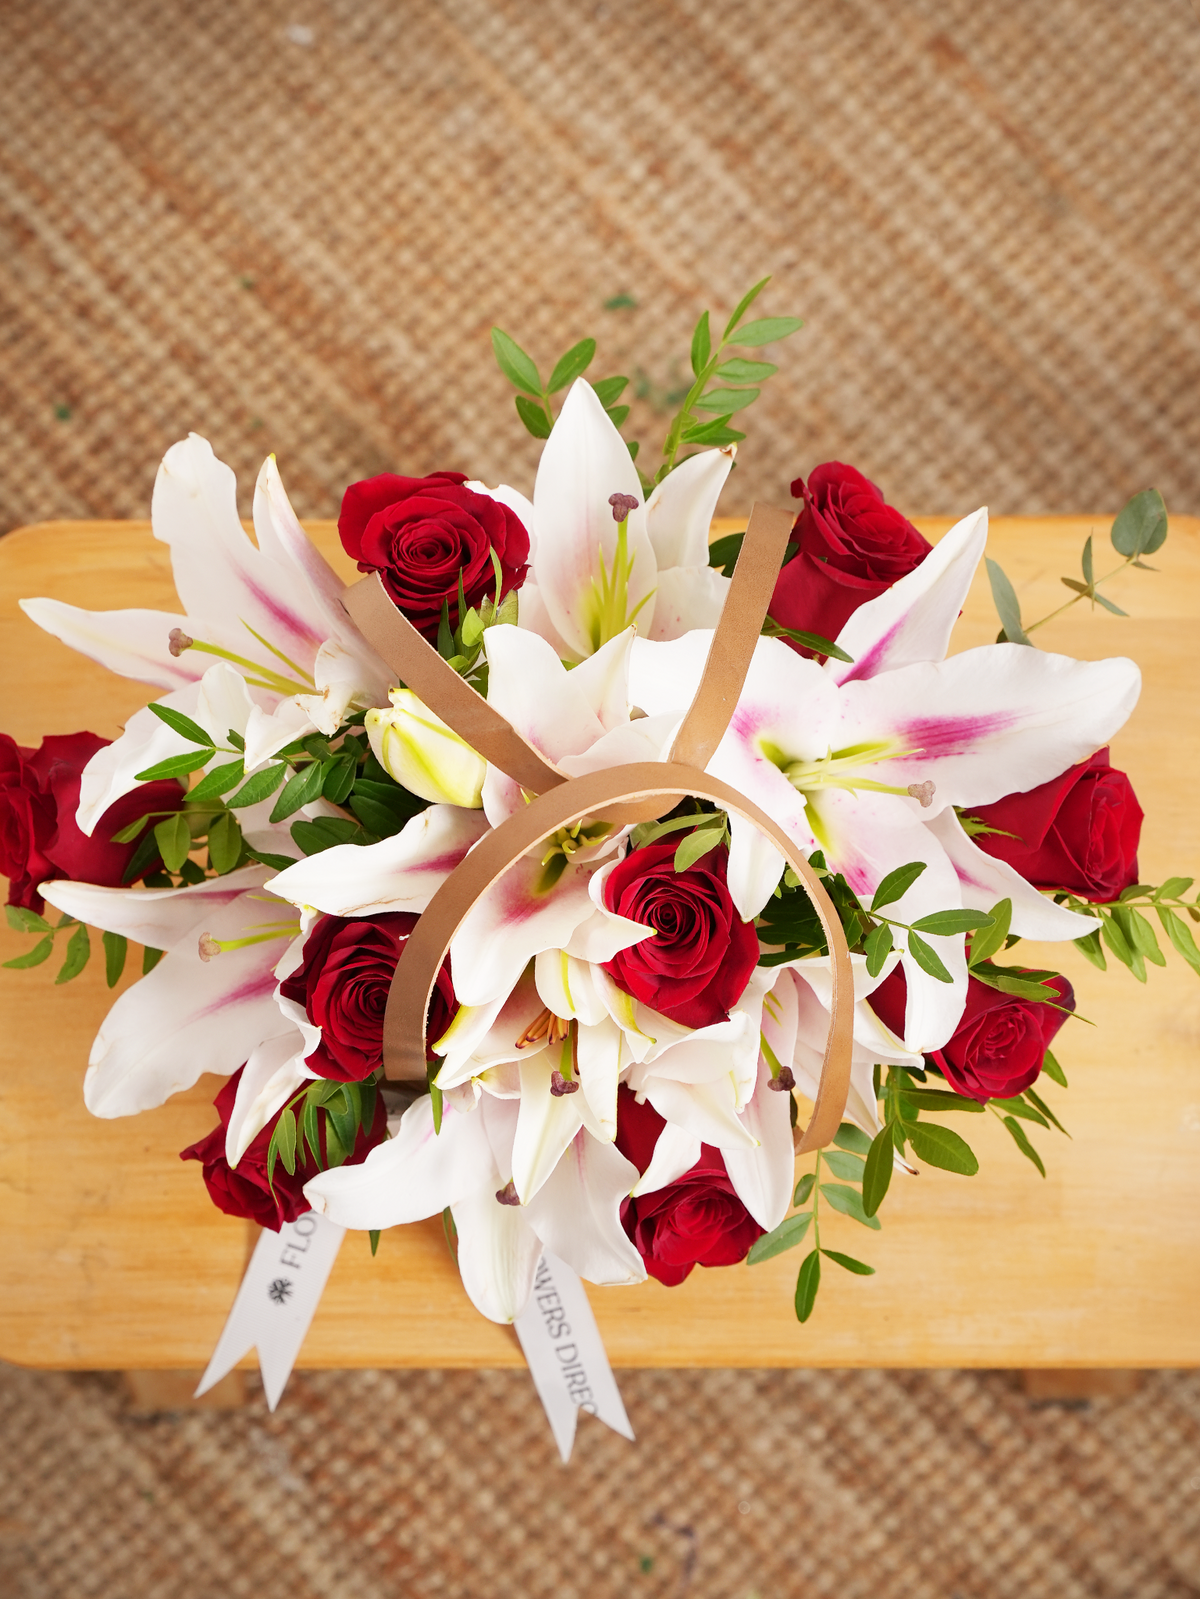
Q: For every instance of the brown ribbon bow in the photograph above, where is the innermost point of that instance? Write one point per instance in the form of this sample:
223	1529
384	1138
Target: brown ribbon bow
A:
641	791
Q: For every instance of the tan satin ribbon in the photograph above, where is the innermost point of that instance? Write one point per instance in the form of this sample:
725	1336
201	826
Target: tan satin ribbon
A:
622	794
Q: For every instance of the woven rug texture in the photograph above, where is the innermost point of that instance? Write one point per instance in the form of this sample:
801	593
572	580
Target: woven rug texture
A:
290	225
742	1485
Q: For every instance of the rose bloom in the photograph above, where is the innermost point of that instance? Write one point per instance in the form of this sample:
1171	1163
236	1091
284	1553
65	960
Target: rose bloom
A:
998	1047
419	533
1078	832
697	1220
852	546
343	982
695	969
244	1190
39	795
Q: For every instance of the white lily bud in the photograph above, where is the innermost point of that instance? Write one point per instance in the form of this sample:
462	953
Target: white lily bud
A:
417	748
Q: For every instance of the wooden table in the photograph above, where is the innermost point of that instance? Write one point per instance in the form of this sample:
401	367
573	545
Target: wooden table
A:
114	1257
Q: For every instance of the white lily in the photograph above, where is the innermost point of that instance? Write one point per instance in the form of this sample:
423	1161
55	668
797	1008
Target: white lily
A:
468	1168
273	612
592	576
423	754
195	1011
857	765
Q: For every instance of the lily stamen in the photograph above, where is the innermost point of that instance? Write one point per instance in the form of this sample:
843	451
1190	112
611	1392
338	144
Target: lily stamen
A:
210	947
544	1025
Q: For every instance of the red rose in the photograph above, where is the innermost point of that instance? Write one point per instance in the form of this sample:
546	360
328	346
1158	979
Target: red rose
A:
1079	831
852	546
39	838
698	1220
244	1190
998	1046
419	533
343	983
696	967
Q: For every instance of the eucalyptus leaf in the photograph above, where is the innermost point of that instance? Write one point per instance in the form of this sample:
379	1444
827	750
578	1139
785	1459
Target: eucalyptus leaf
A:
1089	575
1108	605
790	1232
1141	525
1008	607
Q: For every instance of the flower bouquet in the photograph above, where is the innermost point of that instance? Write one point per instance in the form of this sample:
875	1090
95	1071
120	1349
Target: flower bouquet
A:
568	874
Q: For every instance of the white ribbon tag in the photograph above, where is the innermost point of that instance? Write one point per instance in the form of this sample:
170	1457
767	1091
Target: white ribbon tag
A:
277	1301
566	1355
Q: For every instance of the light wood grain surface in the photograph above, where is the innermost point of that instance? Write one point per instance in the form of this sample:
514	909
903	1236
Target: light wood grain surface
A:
113	1256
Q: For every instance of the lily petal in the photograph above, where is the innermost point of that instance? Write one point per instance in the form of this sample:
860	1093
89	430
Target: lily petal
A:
763	1175
984	880
577	1213
675	1152
272	1074
159	918
680	510
688	597
546	1124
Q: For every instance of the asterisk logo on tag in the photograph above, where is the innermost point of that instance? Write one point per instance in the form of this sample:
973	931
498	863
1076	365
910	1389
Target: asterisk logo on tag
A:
280	1291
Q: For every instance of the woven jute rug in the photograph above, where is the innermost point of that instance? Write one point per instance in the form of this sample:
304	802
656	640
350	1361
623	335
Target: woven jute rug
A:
742	1485
290	225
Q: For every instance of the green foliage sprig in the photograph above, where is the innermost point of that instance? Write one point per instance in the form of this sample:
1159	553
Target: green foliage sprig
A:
338	1110
1129	935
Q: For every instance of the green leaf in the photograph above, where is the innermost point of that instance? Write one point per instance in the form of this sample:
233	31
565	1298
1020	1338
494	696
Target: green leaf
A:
617	414
182	724
723	552
1074	583
787	1235
1116	941
517	367
947	923
989	940
1180	934
1143	938
128	834
1089	947
285	1133
1016	1106
744	305
1089	575
23	920
1023	1144
534	417
1008	607
807	1283
1053	1070
173	838
235	739
936	1099
714	432
896	884
849	1202
877	948
1174	888
609	390
804	1188
311	1128
1108	605
1019	987
224	843
572	365
1141	525
701	345
79	949
258	786
742	371
300	789
176	766
150	959
726	401
850	1137
877	1174
376	818
115	949
338	778
848	1261
845	1165
323	833
373	1235
816	642
767	330
32	957
1040	1104
927	958
939	1146
219	781
698	844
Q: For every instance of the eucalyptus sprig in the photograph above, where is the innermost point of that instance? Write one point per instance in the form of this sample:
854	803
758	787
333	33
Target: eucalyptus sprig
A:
1140	528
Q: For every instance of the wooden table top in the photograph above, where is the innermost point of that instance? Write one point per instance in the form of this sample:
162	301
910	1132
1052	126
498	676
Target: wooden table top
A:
114	1257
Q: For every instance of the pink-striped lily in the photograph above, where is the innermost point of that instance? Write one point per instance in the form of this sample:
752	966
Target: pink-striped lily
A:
865	761
592	575
272	612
